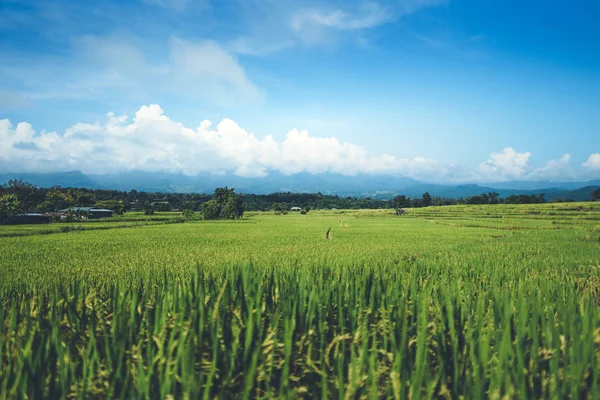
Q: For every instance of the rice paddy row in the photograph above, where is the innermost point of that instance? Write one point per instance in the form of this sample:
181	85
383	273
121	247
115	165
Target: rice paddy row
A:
270	307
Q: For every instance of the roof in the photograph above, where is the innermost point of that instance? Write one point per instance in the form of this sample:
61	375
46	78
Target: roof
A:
29	215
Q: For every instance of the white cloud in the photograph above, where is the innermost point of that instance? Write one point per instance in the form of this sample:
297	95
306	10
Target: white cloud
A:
554	170
312	24
273	26
119	67
509	164
593	161
206	68
153	142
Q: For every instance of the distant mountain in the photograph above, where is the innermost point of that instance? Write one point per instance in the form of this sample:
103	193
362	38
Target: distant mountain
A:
274	182
535	185
457	191
64	179
375	186
580	194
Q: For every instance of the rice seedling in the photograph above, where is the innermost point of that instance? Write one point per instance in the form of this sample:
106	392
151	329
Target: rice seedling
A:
392	308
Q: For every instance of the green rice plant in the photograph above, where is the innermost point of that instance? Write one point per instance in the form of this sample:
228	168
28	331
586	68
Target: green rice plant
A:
387	308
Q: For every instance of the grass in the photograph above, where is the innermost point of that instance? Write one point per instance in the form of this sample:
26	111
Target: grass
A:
477	301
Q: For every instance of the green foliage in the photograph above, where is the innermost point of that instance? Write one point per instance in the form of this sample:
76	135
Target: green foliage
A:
59	199
114	205
226	204
400	202
32	198
148	209
596	195
187	214
210	210
426	199
493	198
84	200
27	194
9	205
162	206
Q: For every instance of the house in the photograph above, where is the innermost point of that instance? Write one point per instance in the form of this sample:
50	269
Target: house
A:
296	209
27	218
92	212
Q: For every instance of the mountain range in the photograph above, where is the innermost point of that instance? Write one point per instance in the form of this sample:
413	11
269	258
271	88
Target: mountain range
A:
375	186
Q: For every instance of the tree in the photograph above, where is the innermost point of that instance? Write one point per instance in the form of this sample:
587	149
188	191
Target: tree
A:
493	197
400	202
114	205
9	206
189	205
222	195
210	210
426	199
596	195
416	203
27	194
148	209
233	208
59	199
84	200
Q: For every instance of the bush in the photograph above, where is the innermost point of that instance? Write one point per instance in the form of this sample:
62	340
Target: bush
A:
303	212
188	214
210	210
176	220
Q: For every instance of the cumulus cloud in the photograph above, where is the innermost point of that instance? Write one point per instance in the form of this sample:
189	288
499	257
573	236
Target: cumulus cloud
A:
593	161
506	165
555	169
151	141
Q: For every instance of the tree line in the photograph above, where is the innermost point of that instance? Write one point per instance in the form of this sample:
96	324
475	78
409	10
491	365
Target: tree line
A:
18	196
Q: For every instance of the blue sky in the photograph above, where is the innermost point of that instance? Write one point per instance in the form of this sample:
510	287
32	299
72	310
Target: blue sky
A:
439	90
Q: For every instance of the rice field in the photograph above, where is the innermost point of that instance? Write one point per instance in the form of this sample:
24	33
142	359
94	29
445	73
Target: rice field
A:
498	301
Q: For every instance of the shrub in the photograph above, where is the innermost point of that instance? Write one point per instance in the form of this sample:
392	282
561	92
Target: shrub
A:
188	214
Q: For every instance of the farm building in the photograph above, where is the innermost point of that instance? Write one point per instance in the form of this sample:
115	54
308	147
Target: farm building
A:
92	212
29	218
295	209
